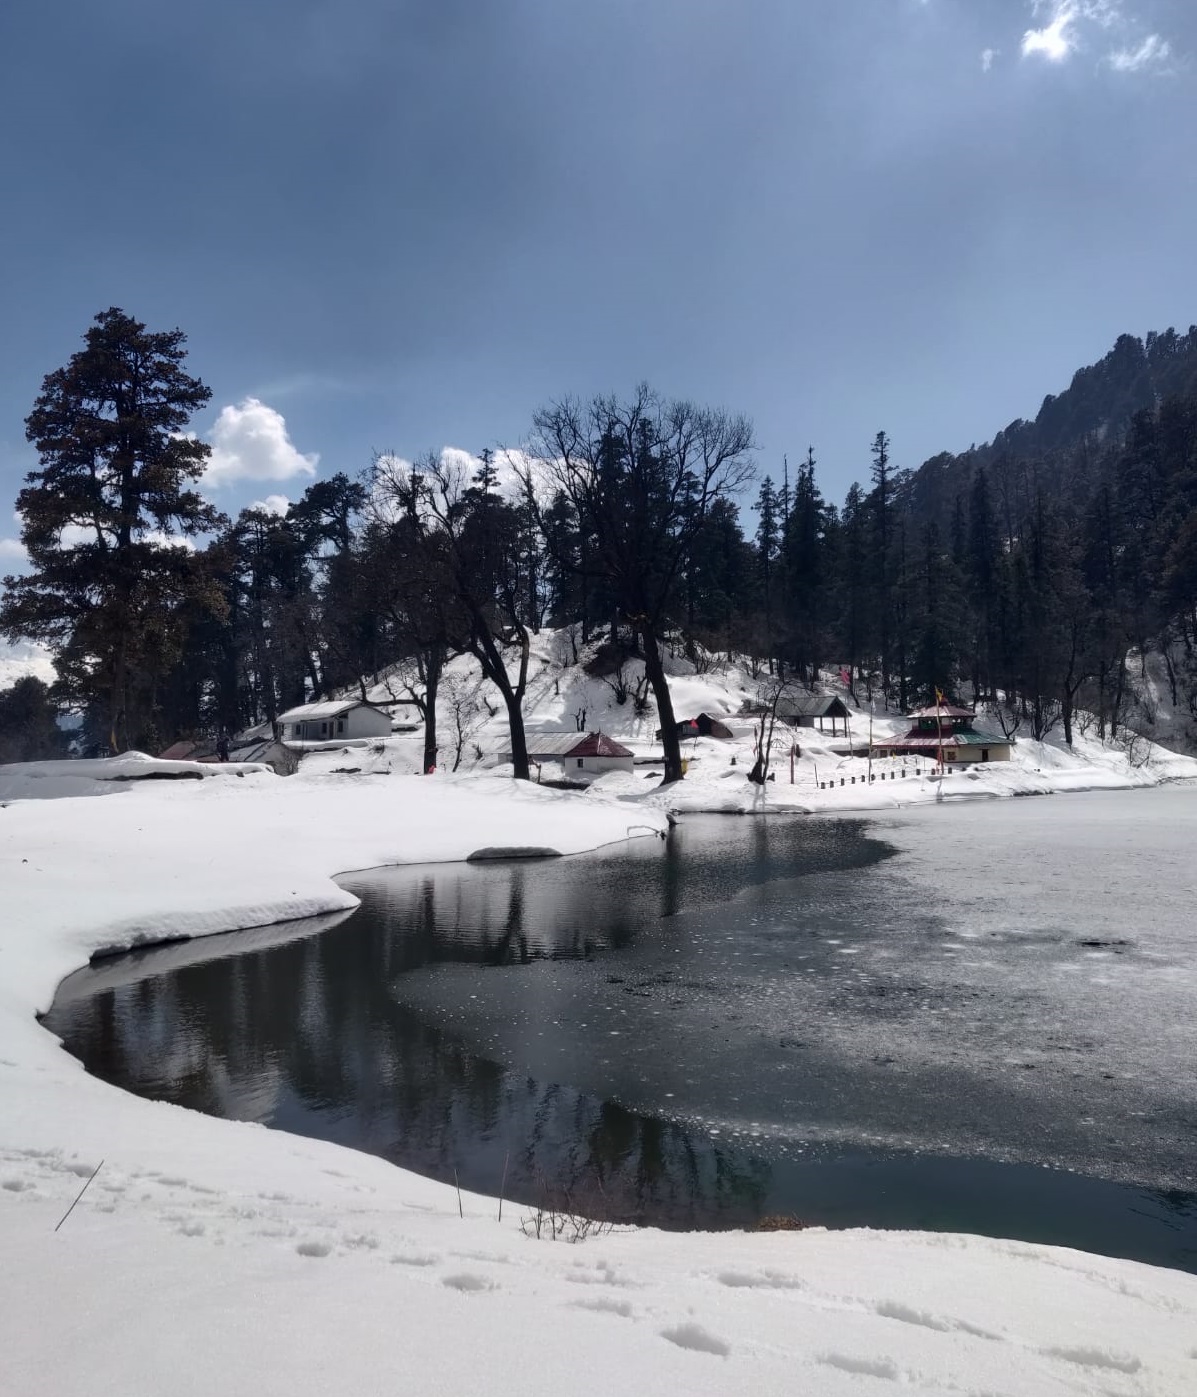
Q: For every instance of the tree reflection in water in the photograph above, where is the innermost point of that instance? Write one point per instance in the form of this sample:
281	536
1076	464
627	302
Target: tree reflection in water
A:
470	1018
307	1035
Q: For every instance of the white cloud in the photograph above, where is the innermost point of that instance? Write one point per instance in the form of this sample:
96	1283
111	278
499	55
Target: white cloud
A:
250	442
460	467
272	504
1062	33
161	540
24	658
1153	52
76	535
1056	40
73	535
987	57
13	550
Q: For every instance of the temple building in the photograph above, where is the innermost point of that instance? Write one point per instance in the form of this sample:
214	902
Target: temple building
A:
947	730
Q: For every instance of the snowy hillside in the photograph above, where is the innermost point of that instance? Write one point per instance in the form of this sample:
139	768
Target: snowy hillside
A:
563	697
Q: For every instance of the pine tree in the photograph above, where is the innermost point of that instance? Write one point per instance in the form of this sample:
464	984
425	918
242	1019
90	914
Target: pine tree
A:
805	570
103	519
880	500
768	536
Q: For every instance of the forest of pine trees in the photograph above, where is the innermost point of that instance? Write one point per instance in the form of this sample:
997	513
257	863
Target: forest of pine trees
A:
1033	573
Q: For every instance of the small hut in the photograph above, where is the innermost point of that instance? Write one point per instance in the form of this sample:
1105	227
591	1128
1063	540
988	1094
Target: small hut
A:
591	752
725	726
815	711
946	733
336	718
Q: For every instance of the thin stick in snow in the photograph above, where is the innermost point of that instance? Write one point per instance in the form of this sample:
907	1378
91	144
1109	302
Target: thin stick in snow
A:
79	1195
503	1184
457	1181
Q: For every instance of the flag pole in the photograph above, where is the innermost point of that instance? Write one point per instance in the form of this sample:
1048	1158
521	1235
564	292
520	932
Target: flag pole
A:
939	724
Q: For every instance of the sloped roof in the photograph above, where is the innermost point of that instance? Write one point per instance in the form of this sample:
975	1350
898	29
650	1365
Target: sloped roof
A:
331	708
598	744
552	744
725	724
811	705
179	751
945	710
929	742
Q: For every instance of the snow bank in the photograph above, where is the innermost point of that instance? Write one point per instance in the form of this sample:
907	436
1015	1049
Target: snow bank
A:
211	1256
105	775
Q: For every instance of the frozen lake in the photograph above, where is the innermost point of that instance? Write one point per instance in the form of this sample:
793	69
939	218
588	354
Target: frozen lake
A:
977	1016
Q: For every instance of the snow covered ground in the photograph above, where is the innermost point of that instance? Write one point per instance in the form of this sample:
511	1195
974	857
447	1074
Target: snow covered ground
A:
216	1256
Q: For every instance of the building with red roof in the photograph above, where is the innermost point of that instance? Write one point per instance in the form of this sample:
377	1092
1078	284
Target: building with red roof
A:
946	734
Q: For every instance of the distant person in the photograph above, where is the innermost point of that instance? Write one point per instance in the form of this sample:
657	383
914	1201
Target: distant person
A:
222	746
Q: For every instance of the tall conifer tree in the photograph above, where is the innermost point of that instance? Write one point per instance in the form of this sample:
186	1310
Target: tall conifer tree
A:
103	518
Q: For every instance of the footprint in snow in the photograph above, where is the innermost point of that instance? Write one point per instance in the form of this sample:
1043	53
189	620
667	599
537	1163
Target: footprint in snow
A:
1096	1358
758	1280
469	1282
415	1259
894	1309
15	1185
866	1367
604	1306
695	1337
311	1248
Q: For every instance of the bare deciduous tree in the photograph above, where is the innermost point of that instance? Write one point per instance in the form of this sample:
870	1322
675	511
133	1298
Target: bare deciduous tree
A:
475	537
642	476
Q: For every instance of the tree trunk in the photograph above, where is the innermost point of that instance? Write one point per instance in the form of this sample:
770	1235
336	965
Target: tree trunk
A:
433	664
519	743
670	740
488	654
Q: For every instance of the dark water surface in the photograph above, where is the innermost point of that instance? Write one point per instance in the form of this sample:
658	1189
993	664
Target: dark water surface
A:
767	1016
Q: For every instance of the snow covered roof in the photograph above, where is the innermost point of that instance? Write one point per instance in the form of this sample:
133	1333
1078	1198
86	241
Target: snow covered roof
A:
331	708
945	710
812	705
573	744
552	744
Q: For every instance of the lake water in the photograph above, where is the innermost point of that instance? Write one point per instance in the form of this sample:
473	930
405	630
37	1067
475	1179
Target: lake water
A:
980	1017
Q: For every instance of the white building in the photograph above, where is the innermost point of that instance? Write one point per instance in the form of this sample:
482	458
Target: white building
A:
336	718
591	752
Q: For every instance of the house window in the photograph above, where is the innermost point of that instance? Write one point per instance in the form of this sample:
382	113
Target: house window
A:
984	754
323	729
581	761
340	725
949	756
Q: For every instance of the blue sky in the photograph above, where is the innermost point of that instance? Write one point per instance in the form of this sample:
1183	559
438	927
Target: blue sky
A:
403	226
